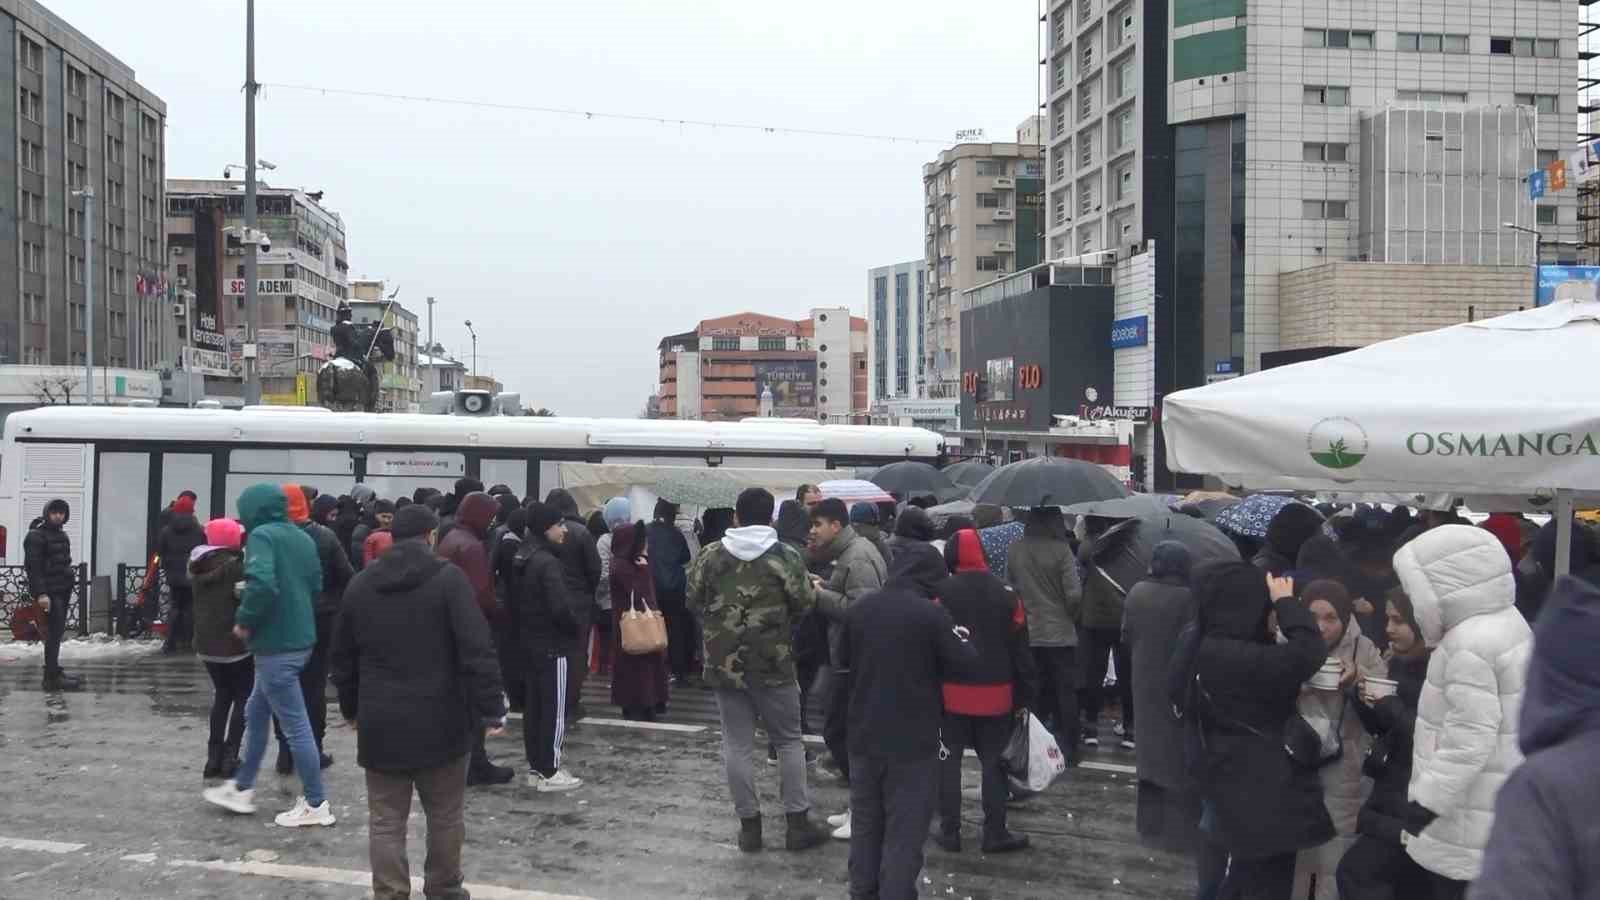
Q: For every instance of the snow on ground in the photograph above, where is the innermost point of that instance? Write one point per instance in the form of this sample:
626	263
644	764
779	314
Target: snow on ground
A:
95	646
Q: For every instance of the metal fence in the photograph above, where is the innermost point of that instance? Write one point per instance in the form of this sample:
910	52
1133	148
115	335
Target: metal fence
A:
125	619
14	597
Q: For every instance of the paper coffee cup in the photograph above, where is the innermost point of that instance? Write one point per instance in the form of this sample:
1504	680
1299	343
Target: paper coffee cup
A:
1380	688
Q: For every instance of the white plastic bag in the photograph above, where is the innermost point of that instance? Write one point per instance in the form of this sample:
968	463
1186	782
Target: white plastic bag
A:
1043	758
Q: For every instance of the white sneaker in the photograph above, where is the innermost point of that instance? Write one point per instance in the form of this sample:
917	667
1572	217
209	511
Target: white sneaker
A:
228	796
303	814
842	833
562	780
839	820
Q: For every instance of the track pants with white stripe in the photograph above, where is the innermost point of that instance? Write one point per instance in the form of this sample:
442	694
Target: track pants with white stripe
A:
544	714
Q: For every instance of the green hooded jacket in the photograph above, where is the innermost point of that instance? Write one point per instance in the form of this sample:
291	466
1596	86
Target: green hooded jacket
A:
282	573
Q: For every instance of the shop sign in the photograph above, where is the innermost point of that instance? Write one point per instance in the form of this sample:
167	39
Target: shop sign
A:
1130	332
1139	415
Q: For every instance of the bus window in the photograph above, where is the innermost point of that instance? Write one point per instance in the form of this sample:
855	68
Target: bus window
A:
123	519
329	471
393	473
187	472
513	473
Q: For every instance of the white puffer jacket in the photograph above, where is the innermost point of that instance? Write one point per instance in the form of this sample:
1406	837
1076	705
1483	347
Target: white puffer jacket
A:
1459	580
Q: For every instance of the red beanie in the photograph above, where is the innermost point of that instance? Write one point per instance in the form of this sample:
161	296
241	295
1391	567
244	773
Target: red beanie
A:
183	506
1508	532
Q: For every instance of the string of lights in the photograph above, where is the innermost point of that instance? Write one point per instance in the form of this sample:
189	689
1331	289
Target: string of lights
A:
590	114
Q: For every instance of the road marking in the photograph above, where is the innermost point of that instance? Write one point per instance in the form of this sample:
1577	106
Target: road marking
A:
57	847
1108	767
625	723
353	878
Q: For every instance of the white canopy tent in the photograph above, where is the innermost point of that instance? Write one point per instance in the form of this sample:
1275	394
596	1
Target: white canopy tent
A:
1503	413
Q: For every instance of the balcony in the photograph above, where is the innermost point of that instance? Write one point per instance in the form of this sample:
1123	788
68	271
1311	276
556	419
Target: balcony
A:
1005	183
1005	247
1004	215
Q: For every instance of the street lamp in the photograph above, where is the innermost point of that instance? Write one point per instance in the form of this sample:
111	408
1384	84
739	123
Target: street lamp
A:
1539	243
227	170
474	348
87	193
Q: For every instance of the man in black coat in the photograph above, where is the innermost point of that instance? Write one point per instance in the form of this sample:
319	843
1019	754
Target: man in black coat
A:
580	564
417	677
178	537
899	646
47	559
546	613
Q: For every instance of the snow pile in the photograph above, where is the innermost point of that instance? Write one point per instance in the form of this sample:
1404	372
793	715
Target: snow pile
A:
95	646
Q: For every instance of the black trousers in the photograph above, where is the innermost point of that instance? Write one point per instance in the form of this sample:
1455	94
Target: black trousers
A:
1376	869
314	682
55	628
1267	878
544	712
836	725
680	632
509	653
231	684
988	736
891	807
180	624
1442	888
1058	672
1097	644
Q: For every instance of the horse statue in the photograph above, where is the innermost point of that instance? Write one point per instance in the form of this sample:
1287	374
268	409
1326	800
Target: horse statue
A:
349	381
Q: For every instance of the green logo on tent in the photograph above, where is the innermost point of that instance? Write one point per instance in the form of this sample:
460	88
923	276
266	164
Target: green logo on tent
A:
1337	443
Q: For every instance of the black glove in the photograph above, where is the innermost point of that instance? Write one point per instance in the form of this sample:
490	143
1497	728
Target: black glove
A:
1418	817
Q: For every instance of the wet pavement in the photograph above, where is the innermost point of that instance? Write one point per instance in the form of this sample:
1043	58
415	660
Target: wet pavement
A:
100	797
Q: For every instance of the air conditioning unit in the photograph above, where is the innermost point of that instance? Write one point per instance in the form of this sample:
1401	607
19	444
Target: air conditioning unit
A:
179	310
177	251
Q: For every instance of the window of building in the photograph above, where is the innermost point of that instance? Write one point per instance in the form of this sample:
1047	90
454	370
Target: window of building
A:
988	201
1546	48
1545	215
1058	205
1500	46
991	167
32	207
1085	11
1125	30
147	127
113	151
75	222
77	82
1545	103
116	278
75	268
33	308
28	104
1546	157
1086	99
1315	37
771	343
1085	153
1058	73
988	264
1058	162
1326	152
119	325
1127	78
1361	40
31	55
32	257
1323	209
1087	199
1327	95
1086	56
1122	129
1455	43
32	156
1058	28
75	316
77	175
75	129
1432	98
114	106
1124	181
1058	117
724	343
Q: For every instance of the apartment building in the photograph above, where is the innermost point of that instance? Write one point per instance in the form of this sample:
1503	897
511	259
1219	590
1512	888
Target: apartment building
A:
751	364
896	295
983	219
80	122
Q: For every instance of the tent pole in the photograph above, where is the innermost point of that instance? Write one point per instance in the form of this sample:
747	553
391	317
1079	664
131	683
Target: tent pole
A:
1563	532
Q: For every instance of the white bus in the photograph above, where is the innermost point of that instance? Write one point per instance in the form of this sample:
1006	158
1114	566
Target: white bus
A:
120	466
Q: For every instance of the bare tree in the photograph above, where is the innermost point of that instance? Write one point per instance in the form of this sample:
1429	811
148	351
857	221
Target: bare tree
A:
53	389
540	411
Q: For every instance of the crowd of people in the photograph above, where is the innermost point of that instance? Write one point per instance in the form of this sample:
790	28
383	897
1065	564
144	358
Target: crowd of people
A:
1343	710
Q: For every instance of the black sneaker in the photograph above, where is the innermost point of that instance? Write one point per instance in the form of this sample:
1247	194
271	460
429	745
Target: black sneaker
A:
61	681
1091	736
950	843
324	759
1005	843
491	774
1126	742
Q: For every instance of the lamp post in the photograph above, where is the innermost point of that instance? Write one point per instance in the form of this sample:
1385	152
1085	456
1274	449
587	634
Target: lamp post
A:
474	349
87	193
1539	243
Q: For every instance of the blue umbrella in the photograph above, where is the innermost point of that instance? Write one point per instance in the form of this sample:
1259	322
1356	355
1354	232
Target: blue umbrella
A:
1250	517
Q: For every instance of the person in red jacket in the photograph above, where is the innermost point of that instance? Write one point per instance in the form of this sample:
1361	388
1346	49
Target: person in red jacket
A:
465	546
979	704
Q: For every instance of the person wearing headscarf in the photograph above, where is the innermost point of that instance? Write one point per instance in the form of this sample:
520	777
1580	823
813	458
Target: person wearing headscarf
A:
616	512
1155	611
865	520
1044	573
1237	688
979	704
669	565
1344	741
638	680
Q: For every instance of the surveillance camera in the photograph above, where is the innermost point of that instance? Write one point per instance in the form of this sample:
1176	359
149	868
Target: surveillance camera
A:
265	243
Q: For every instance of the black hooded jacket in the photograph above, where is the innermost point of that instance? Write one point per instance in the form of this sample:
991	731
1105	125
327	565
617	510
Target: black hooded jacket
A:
1545	834
546	613
47	554
900	646
174	544
413	662
1286	534
1392	721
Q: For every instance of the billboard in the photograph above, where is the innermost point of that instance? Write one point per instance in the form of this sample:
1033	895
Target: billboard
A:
1551	278
206	362
793	383
1002	379
208	247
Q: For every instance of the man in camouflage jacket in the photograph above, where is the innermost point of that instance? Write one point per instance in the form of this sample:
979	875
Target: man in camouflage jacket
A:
749	591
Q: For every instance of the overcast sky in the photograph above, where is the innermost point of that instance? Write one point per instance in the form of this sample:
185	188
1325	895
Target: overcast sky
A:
574	244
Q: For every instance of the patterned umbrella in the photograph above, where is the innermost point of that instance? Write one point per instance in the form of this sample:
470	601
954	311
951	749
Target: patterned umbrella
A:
1250	517
704	488
854	490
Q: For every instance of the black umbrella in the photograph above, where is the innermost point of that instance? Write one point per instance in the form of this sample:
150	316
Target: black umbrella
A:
1121	555
1048	481
968	473
910	478
1131	507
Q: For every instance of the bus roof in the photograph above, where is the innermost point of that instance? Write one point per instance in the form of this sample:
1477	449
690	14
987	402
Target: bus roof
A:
314	425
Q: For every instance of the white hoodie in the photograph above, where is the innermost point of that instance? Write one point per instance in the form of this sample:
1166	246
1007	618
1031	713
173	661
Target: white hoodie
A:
749	543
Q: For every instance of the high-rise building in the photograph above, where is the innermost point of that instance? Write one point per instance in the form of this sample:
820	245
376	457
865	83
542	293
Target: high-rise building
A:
79	122
812	368
895	361
399	384
982	219
300	283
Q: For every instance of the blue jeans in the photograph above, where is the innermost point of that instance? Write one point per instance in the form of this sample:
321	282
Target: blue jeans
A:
277	693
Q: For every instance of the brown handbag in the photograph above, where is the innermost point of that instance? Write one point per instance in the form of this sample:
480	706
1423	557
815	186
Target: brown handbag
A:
643	630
